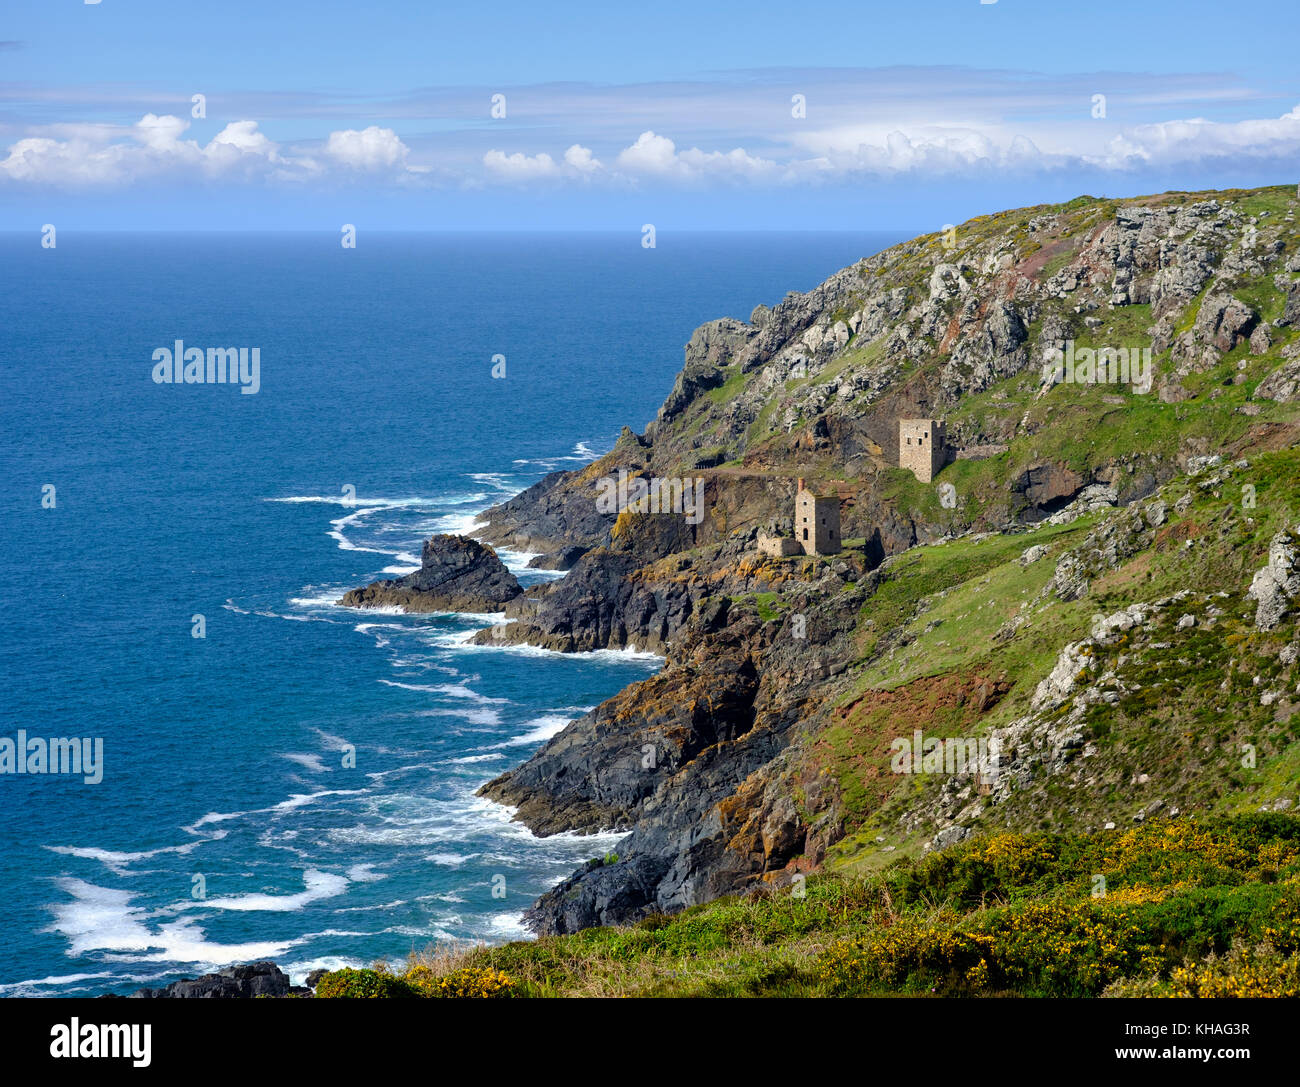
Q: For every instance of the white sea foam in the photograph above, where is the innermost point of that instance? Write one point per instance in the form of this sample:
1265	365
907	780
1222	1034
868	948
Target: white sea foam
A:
316	885
499	480
309	762
31	986
296	800
511	925
541	729
101	919
325	600
461	641
343	500
299	970
459	524
117	862
481	715
395	904
451	690
450	860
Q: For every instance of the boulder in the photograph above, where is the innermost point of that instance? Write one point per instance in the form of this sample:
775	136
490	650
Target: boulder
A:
455	574
1224	321
232	983
1274	586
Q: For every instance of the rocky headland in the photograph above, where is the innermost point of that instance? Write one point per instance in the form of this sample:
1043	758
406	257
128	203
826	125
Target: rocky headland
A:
761	750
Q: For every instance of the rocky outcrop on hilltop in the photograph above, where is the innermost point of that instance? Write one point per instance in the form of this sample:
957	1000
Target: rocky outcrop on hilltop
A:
455	574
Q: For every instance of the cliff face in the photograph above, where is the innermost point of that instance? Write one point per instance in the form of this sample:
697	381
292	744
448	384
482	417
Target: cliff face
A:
763	747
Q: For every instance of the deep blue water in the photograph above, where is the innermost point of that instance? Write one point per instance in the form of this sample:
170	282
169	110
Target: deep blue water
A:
223	756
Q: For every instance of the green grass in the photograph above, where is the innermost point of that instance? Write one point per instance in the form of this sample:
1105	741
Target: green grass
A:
1013	914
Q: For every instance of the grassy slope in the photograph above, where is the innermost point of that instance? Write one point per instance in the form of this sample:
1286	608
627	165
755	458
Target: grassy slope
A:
1171	907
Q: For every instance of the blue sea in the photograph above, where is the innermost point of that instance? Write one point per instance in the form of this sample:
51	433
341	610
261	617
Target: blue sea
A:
231	823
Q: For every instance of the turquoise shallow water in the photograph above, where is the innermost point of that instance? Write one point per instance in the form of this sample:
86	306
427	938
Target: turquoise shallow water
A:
224	756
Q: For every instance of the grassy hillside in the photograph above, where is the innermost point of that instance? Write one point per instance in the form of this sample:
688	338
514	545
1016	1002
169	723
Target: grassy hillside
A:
1170	908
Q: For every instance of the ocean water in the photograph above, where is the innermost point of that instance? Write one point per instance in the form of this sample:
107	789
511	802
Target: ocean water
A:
228	825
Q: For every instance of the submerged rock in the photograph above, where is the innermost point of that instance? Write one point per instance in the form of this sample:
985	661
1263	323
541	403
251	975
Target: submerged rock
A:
455	574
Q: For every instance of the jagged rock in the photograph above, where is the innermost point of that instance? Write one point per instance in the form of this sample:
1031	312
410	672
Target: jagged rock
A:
946	282
711	349
232	983
948	836
1031	555
1095	497
563	559
1282	385
1102	550
1275	585
456	574
1224	321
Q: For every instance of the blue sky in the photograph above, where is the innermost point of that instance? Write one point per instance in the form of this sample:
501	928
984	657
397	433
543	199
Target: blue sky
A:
909	115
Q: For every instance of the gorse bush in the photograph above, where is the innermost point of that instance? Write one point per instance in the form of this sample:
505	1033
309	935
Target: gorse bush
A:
362	984
418	981
1041	950
1185	907
1260	971
466	983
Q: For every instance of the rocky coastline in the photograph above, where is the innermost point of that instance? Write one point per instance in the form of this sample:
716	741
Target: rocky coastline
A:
750	758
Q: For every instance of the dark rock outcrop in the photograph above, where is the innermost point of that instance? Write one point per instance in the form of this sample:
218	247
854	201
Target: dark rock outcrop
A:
456	574
563	559
232	983
669	756
558	511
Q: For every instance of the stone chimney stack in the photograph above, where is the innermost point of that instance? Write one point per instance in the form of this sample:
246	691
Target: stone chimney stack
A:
801	483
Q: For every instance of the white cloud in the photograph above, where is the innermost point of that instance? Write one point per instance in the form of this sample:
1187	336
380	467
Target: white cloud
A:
578	161
152	148
653	155
371	149
520	167
582	160
1174	142
650	154
844	149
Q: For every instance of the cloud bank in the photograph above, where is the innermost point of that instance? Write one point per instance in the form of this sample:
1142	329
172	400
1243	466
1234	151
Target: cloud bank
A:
771	129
